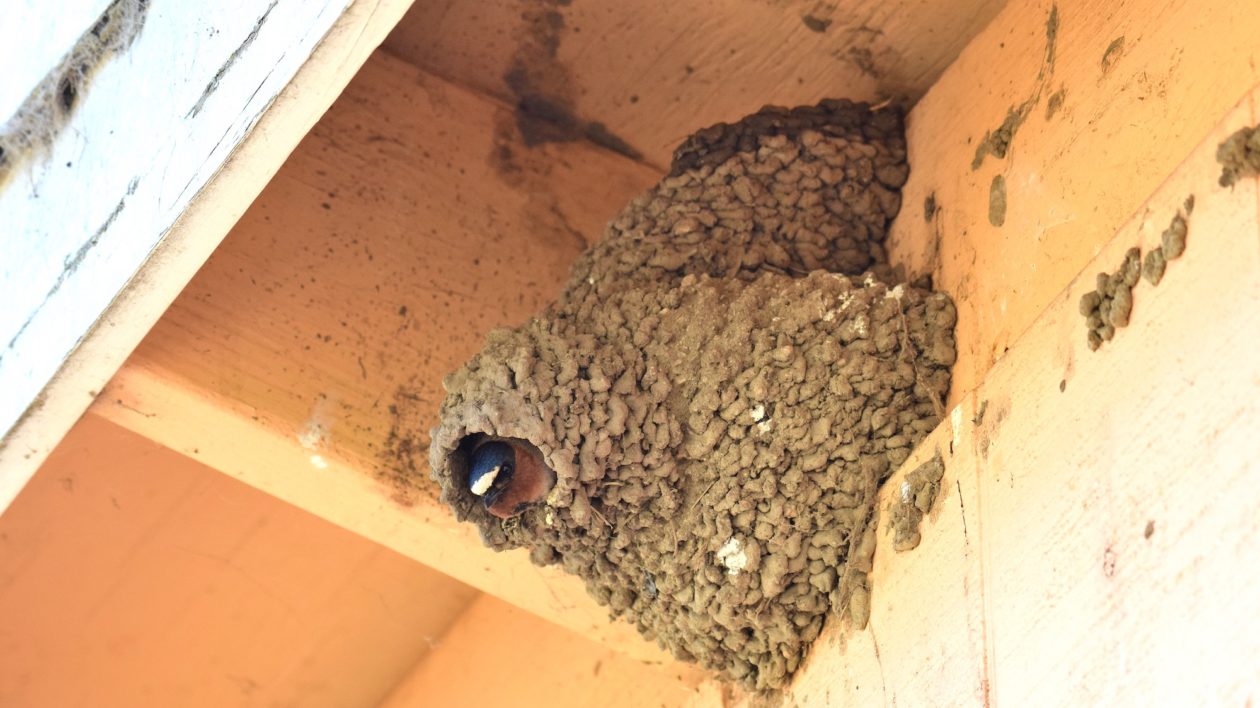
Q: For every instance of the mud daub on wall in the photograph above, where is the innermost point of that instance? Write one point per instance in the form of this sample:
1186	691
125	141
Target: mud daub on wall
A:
41	117
1239	156
543	87
1109	306
915	499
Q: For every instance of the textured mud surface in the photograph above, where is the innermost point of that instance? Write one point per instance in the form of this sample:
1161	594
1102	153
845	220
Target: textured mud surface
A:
997	200
1239	156
915	499
999	140
722	385
1109	305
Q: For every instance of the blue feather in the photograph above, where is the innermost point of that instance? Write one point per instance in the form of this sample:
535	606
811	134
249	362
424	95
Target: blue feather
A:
490	470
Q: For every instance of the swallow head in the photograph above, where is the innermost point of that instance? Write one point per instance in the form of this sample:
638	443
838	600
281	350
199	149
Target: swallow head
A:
492	470
508	475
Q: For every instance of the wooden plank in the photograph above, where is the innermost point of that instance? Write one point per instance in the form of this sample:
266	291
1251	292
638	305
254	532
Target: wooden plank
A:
1092	543
1072	175
131	575
338	488
229	90
483	662
650	72
306	357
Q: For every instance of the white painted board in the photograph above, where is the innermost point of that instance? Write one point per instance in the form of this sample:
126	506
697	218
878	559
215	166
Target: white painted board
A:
156	124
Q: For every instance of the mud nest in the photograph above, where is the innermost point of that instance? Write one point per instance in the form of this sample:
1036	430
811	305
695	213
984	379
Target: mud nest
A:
723	383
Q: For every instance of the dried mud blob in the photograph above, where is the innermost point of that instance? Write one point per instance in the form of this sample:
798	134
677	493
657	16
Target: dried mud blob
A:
1239	156
719	389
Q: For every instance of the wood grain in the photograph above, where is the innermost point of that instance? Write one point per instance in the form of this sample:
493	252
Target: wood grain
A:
131	575
498	655
308	353
651	72
1073	176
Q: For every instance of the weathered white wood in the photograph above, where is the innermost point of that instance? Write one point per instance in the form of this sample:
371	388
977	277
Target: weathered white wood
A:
30	45
168	144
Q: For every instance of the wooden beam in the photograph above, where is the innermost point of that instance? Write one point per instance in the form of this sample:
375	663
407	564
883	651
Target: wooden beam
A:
82	285
498	655
131	575
1125	95
306	357
1092	542
650	72
337	487
314	332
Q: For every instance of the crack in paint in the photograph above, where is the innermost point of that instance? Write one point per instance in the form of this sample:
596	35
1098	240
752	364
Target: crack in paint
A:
231	61
71	264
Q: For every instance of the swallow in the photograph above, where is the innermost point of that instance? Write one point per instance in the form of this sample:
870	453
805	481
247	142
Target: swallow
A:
508	475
